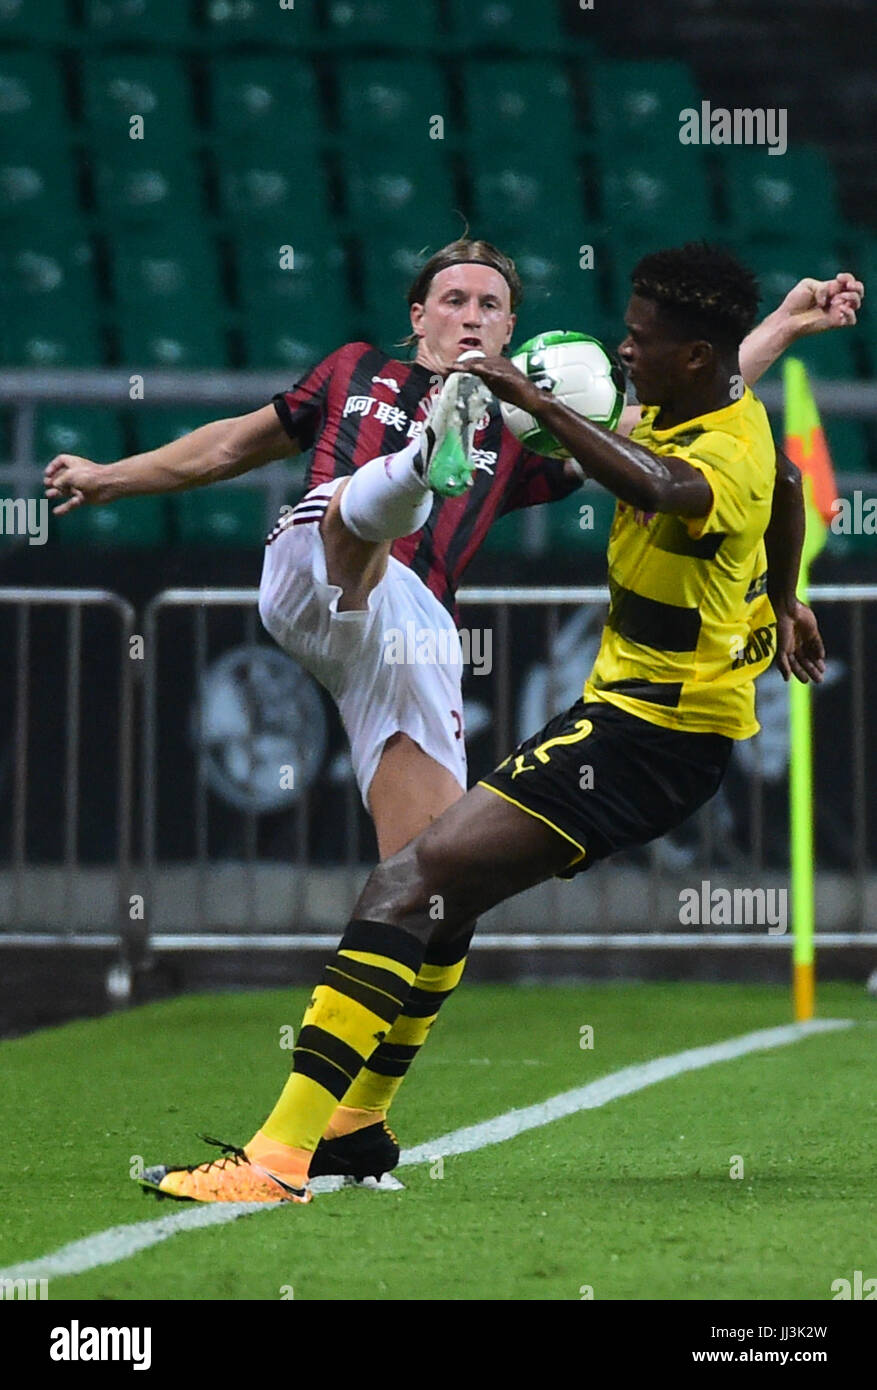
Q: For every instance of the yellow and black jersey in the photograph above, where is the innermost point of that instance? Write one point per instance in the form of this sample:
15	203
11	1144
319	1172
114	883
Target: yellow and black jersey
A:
690	625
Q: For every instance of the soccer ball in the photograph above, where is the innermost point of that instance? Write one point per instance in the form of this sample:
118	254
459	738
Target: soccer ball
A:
578	371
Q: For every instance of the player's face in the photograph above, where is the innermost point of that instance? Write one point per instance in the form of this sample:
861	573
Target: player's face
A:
467	306
653	359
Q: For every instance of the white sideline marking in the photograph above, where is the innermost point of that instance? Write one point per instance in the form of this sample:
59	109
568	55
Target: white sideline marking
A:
611	1087
120	1242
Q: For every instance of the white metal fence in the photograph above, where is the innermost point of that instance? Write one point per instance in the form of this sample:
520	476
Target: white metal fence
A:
257	898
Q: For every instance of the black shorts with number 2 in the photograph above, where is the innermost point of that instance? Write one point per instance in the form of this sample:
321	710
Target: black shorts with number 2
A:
607	781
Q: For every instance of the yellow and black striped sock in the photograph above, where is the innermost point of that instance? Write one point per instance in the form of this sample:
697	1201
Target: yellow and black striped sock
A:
350	1014
377	1083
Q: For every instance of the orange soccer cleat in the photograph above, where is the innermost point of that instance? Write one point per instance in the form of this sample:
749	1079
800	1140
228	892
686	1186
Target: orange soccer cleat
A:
233	1178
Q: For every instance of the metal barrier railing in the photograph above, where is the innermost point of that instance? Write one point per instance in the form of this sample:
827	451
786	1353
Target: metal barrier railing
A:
30	894
205	901
23	390
502	602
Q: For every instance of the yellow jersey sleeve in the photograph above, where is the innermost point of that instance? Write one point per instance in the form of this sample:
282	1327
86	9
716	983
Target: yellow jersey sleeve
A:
730	483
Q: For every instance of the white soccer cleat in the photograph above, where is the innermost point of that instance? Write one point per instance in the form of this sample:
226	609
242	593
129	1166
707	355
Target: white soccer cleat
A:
449	429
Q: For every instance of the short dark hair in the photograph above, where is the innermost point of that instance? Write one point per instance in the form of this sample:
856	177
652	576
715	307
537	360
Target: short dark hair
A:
703	291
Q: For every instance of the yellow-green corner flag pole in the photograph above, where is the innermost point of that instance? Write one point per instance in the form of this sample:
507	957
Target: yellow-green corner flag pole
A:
806	445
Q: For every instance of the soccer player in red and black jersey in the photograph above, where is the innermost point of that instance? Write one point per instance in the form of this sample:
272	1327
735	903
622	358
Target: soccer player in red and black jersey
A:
333	581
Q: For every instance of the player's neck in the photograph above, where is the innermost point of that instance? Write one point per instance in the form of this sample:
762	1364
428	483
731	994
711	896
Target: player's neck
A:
426	359
702	399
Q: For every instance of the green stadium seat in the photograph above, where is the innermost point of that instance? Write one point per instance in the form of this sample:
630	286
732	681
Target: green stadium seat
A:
573	529
401	194
780	265
222	516
159	22
636	104
38	21
164	339
287	194
42	340
94	432
156	271
389	267
383	24
863	263
558	293
772	196
155	427
33	112
848	444
229	23
136	186
48	314
39	189
291	316
506	536
544	198
513	24
521	106
827	356
665	203
169	304
118	86
265	101
134	523
390	104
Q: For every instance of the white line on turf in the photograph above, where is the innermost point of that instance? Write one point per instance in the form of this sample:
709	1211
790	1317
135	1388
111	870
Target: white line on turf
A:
611	1087
120	1242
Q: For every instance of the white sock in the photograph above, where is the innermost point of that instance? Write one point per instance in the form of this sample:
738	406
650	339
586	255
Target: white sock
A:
386	498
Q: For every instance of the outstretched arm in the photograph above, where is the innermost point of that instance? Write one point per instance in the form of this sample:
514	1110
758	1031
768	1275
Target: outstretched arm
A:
222	449
651	482
813	306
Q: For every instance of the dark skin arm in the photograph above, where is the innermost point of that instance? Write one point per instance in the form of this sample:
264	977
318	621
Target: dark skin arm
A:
800	651
647	481
661	483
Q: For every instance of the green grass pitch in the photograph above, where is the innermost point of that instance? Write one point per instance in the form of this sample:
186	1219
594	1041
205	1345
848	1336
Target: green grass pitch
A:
634	1199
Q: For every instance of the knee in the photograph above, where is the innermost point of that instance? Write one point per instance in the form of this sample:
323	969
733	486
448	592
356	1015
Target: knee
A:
403	889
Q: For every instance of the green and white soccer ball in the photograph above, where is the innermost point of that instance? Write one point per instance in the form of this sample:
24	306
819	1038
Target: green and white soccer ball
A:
577	370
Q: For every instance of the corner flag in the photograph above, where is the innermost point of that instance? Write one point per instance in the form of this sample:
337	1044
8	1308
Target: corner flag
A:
806	446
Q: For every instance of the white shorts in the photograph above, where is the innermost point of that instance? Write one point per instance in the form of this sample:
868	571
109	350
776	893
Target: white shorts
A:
366	660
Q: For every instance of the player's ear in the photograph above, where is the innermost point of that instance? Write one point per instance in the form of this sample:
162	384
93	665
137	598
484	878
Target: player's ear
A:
416	315
700	354
513	318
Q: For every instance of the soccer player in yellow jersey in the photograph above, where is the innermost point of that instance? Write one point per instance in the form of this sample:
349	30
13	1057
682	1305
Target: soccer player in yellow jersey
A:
703	563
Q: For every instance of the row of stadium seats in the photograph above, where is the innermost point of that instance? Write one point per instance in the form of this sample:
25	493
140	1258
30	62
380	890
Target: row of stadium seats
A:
266	133
133	185
380	102
518	25
154	298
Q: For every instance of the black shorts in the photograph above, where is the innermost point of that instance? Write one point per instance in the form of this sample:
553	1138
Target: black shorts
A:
607	781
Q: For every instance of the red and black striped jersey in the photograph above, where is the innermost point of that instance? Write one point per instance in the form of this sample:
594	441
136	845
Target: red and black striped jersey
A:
360	403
